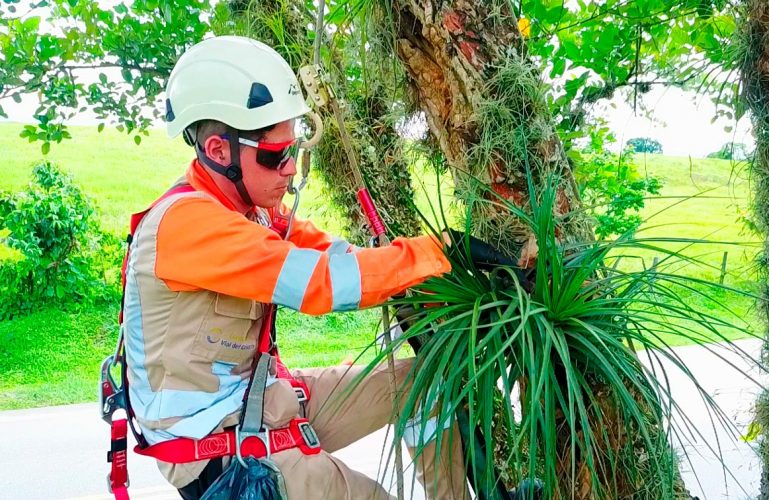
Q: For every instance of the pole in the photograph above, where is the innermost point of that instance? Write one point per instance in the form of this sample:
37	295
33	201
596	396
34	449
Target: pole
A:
723	268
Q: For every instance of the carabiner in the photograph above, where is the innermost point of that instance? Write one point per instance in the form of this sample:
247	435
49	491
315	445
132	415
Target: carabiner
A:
111	395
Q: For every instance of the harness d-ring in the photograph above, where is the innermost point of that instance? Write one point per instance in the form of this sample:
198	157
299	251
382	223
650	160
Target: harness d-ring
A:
241	436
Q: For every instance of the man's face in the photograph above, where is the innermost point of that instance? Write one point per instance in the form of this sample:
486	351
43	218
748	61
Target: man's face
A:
268	186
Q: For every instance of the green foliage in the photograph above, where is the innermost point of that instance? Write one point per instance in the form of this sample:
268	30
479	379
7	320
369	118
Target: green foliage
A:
595	50
613	191
733	151
65	257
563	349
132	45
644	145
590	50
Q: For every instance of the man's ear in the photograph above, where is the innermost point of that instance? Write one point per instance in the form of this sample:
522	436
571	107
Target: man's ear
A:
218	150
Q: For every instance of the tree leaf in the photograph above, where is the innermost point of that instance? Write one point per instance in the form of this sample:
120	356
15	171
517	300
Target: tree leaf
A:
559	66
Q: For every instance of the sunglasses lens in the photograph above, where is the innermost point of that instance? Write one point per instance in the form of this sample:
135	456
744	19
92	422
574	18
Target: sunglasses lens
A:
270	159
275	160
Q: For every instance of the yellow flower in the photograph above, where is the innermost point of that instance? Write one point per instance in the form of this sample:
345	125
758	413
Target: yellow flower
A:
525	27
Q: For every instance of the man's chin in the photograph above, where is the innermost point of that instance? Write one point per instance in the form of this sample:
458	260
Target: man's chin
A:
268	204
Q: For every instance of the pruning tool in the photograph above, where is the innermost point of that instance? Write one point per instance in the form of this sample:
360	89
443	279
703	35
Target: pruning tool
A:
318	87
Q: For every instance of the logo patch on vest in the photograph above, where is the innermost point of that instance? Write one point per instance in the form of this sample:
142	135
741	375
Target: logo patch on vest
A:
236	345
218	337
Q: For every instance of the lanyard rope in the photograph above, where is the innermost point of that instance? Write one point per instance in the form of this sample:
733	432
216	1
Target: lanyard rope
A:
323	95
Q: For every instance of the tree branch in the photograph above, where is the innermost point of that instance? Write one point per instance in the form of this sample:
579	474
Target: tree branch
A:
151	70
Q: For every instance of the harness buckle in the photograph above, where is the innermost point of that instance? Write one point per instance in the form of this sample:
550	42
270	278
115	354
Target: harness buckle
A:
109	483
309	435
241	436
111	396
301	394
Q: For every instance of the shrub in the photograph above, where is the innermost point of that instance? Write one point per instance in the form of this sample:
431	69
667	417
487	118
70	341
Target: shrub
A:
63	255
733	151
613	190
645	145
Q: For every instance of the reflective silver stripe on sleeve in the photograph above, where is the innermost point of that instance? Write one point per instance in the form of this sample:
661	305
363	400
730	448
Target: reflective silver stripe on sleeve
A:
338	246
345	281
294	277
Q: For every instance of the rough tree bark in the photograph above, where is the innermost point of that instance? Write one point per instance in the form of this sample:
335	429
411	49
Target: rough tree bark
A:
463	58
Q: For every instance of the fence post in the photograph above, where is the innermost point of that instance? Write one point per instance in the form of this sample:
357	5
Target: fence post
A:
653	273
723	268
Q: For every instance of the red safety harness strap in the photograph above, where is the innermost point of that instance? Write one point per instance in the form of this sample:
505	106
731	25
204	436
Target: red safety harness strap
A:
298	434
117	456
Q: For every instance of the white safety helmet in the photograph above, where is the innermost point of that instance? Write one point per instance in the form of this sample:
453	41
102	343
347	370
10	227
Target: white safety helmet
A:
235	80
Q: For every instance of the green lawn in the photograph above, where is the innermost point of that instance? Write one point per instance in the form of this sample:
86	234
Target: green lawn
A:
52	357
702	198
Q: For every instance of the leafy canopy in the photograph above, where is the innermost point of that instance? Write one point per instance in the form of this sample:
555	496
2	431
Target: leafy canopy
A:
589	50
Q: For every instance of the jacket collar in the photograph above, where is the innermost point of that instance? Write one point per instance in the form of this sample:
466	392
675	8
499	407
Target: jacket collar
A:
201	180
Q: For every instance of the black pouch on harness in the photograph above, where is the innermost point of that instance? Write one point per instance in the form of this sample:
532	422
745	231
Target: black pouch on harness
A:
258	480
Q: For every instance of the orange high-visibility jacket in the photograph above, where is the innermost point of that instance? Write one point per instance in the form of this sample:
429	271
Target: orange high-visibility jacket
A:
198	275
205	244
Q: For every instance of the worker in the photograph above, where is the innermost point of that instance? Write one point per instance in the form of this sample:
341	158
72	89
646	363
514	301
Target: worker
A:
207	261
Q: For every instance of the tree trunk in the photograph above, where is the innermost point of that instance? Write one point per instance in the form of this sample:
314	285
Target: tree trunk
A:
755	83
485	105
283	24
466	68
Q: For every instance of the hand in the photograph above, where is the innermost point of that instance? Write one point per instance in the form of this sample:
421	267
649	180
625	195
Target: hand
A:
483	255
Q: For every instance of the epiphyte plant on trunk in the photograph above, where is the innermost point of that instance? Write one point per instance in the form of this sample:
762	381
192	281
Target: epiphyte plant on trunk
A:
579	408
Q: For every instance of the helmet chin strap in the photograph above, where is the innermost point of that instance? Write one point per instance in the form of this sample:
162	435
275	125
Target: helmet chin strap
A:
233	171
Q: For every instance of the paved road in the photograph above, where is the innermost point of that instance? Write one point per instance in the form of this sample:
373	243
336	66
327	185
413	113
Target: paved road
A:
59	452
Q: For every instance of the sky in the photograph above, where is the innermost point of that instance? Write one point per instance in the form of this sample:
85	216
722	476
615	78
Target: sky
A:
682	121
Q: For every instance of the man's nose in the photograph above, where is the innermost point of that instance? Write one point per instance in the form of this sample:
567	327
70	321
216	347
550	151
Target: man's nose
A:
289	168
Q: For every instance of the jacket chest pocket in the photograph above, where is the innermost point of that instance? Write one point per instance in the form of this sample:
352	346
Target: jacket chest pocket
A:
230	329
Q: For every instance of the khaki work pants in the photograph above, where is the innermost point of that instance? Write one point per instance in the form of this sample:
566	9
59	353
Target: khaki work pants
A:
340	417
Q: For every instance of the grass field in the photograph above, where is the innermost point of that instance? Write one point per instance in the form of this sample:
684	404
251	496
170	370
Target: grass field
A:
52	357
